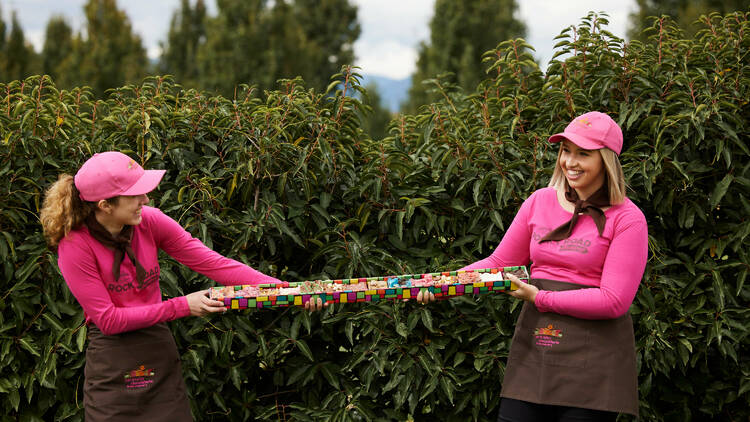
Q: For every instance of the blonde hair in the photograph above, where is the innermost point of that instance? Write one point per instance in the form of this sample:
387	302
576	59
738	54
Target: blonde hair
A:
63	210
614	176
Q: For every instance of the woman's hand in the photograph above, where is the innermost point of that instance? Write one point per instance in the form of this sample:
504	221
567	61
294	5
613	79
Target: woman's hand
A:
315	304
425	296
201	305
525	290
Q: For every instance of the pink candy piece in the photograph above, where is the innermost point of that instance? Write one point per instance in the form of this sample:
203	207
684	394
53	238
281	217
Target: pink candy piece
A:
357	287
422	282
469	277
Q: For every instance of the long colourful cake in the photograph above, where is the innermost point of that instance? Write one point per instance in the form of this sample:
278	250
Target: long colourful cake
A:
369	289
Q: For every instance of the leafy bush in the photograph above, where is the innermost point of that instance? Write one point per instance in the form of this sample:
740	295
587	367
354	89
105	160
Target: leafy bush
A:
288	182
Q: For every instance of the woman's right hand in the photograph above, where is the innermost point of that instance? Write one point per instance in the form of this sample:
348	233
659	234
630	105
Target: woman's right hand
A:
201	305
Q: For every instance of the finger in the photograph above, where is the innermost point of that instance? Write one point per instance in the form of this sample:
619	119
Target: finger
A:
213	309
515	293
320	304
204	294
311	304
432	297
515	280
419	296
211	302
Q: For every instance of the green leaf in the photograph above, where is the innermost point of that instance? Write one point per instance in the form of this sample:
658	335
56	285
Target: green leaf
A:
685	350
15	399
294	329
219	400
236	377
333	378
458	359
427	319
305	349
349	330
402	330
720	190
400	224
718	288
447	388
81	337
28	344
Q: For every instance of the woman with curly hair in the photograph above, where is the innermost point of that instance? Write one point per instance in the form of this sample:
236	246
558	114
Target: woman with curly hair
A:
107	240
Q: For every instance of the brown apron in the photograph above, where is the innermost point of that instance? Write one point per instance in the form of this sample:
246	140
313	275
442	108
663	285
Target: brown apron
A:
565	361
134	375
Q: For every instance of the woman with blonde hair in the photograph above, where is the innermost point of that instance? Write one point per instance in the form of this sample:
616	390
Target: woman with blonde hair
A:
107	239
573	350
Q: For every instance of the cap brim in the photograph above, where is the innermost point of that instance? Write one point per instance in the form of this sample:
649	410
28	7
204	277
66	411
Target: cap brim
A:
576	139
148	182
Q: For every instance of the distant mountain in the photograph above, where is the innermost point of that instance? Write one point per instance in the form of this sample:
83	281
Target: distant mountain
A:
392	91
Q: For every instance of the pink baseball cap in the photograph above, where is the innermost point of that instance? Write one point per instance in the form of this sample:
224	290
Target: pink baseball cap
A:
110	174
593	130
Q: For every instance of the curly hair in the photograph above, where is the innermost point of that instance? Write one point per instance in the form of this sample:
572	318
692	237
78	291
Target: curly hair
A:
63	210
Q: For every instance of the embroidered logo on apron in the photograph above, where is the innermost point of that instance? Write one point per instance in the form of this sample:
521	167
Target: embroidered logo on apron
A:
139	378
547	336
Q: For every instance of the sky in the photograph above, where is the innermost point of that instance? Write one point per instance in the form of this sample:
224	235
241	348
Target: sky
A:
391	29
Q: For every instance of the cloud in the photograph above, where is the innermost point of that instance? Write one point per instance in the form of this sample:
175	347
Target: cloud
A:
148	18
404	21
36	38
391	33
386	58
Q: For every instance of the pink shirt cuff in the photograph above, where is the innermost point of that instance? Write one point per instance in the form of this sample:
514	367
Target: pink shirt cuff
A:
182	309
540	300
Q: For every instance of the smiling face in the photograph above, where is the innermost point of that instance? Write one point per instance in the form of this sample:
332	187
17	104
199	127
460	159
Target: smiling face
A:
128	209
582	168
125	211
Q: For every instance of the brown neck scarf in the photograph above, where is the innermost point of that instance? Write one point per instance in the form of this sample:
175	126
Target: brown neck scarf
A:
592	206
121	245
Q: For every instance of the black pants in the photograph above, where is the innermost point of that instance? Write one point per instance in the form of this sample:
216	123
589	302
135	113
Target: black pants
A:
521	411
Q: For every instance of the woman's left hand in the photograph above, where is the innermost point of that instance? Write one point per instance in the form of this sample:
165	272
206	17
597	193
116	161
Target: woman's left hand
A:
315	304
525	290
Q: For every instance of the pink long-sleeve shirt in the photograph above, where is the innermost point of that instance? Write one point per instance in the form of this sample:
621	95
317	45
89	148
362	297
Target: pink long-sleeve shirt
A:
117	306
611	265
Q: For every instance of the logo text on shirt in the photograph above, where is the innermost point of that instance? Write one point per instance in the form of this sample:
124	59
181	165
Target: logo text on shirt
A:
126	282
571	244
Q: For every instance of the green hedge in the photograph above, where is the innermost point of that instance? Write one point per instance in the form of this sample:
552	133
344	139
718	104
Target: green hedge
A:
288	182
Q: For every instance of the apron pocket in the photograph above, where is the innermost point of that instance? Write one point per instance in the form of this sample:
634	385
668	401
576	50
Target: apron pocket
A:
131	375
133	371
552	339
